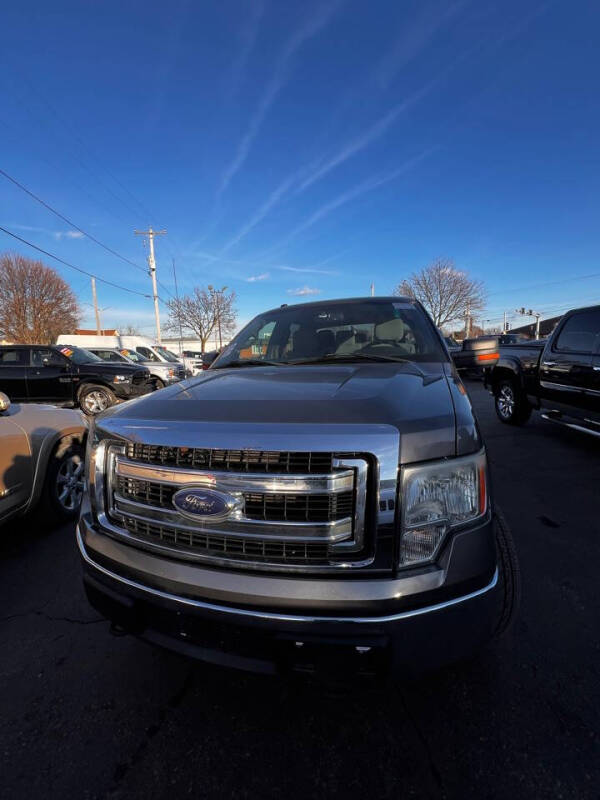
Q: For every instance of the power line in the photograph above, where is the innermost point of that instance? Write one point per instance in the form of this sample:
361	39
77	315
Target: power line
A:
72	266
68	221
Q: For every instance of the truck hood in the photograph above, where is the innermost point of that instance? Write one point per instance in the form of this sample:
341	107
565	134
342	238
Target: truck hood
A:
414	399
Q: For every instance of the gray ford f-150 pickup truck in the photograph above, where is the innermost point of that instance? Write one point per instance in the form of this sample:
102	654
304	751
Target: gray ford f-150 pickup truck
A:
319	495
560	376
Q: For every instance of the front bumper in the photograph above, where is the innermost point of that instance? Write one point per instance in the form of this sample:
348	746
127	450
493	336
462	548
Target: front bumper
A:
355	626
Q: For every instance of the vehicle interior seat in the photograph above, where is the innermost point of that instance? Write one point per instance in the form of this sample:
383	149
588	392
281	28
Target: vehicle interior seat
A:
345	341
394	332
306	343
326	341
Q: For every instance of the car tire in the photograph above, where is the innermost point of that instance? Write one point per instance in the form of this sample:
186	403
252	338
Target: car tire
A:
64	484
95	399
158	384
509	576
512	406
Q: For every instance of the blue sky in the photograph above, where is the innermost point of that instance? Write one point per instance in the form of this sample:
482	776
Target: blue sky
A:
304	149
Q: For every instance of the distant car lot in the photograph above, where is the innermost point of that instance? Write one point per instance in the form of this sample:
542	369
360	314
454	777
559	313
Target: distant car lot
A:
88	715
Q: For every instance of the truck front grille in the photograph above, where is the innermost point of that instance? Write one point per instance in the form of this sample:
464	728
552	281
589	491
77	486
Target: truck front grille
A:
265	506
309	513
262	551
232	460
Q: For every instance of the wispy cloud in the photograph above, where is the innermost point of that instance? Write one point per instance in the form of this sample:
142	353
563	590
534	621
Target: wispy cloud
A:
309	270
272	200
412	39
304	33
248	36
262	277
58	235
68	235
357	191
303	291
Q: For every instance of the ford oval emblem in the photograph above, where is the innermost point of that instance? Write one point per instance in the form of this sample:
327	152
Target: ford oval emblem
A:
204	504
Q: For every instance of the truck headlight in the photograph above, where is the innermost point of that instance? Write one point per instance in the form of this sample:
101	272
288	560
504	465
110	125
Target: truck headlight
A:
436	498
121	378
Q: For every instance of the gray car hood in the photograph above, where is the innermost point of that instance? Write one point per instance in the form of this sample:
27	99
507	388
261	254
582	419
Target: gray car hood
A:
416	400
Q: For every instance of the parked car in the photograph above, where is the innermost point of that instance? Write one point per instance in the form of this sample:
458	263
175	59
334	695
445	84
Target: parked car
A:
559	376
67	376
325	501
41	460
164	366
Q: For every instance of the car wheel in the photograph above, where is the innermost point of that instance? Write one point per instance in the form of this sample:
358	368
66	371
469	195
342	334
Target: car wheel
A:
158	384
512	406
509	576
94	399
64	486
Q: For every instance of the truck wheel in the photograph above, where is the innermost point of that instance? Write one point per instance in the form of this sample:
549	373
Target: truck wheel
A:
512	407
63	488
94	399
509	576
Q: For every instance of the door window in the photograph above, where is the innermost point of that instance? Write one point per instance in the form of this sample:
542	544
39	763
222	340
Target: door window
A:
147	353
13	358
580	333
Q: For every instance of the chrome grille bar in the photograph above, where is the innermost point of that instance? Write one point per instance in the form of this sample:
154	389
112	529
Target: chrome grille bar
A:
240	482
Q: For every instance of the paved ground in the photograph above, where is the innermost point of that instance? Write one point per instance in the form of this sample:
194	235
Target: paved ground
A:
87	715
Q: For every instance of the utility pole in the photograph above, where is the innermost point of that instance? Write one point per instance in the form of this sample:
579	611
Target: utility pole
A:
468	320
178	309
504	326
372	290
152	271
95	299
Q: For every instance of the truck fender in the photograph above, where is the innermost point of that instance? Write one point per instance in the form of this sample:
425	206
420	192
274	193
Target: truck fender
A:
507	367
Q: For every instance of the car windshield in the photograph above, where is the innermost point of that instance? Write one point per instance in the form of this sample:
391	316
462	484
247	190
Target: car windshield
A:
166	354
381	330
78	355
132	355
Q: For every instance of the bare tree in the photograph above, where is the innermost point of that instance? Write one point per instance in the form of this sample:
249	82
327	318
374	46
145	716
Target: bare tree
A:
204	313
446	292
36	304
129	330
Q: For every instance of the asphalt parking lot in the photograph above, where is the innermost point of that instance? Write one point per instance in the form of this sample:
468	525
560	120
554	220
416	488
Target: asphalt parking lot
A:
86	715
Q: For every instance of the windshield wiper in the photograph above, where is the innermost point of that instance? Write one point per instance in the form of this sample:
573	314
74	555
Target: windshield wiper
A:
350	357
250	362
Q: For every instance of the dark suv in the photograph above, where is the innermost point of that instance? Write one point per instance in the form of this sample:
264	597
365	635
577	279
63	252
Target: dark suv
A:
68	376
319	495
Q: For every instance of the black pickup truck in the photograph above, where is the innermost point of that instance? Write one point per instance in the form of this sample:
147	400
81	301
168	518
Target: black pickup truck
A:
68	376
559	376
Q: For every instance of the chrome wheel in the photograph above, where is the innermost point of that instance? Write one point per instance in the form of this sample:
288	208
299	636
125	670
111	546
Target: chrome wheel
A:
96	401
505	402
69	482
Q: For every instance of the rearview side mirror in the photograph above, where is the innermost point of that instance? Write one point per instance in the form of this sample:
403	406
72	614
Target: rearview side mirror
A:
4	402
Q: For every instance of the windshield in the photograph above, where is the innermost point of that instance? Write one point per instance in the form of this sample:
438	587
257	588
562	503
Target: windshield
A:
166	354
369	328
132	356
78	355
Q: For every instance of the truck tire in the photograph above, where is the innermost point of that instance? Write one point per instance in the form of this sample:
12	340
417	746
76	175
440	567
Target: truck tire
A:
93	399
512	406
509	576
64	484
